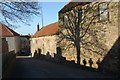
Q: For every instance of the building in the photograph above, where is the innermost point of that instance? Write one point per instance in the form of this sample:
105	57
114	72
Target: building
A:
25	43
5	52
98	31
10	46
44	40
12	38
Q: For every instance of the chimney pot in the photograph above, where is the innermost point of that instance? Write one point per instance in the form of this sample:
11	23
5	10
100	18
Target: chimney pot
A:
38	27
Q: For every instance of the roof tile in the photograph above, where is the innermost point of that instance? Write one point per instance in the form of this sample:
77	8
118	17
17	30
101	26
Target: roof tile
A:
6	31
48	30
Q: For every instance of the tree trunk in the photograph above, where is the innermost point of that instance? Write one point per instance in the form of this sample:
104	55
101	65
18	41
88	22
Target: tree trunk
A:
78	52
78	36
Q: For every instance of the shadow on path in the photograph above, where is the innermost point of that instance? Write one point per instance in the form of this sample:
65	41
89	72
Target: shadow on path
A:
23	68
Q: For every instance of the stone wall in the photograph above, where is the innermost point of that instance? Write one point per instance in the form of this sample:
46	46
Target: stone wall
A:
44	44
102	37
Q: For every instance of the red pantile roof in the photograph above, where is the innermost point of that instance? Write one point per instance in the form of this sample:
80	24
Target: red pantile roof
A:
6	31
51	29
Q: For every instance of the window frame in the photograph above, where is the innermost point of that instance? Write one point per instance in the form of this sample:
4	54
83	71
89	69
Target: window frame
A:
106	13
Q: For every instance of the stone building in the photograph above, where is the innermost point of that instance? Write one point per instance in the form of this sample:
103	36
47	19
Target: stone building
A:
98	32
44	40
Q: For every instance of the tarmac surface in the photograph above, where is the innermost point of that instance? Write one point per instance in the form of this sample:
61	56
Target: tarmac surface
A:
27	67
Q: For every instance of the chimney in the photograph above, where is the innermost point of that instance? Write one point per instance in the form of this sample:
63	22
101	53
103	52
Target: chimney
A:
38	27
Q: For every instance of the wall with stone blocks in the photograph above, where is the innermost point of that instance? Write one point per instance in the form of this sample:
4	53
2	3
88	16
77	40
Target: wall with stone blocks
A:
107	37
45	44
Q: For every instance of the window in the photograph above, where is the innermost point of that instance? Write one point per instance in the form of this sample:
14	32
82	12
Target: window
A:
81	15
65	18
103	11
76	12
70	15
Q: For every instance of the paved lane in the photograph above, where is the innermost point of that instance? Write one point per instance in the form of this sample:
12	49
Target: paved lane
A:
34	68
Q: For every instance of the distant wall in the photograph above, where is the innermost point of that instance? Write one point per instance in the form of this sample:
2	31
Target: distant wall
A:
25	43
45	44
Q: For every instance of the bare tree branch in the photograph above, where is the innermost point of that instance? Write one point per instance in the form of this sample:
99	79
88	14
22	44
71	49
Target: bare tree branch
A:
15	12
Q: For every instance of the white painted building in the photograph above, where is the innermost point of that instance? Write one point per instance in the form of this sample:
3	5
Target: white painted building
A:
11	37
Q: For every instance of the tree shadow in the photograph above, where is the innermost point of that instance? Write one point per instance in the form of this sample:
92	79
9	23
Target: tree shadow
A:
59	59
84	62
112	56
